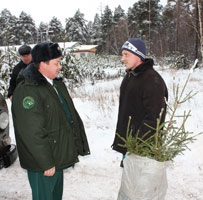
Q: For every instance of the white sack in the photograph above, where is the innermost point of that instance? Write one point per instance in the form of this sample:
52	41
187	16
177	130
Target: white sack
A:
143	179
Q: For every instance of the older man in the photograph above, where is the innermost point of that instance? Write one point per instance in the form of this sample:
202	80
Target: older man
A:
49	131
25	59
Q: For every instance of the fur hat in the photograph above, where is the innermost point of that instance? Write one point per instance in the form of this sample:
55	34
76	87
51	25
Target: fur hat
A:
24	50
45	51
135	46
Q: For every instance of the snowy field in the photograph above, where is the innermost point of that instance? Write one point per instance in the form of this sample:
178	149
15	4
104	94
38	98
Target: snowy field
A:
98	176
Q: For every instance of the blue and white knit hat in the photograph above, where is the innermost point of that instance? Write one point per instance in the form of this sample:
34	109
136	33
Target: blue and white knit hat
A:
135	46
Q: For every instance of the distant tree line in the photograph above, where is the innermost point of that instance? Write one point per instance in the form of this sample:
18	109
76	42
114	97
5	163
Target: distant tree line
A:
175	29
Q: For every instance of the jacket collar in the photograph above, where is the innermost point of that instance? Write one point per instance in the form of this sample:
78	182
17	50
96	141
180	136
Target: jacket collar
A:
147	64
32	74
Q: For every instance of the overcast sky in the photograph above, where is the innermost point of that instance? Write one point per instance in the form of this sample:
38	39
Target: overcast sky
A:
44	10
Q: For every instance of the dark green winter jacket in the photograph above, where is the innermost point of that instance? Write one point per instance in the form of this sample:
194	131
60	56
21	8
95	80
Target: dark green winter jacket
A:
44	136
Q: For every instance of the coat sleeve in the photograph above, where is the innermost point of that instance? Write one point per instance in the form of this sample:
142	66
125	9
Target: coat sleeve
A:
83	146
31	137
82	142
154	100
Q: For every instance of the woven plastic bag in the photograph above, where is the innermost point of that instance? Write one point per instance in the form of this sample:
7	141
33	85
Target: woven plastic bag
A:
143	179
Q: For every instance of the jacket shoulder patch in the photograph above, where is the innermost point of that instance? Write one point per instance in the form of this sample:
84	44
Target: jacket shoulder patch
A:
28	102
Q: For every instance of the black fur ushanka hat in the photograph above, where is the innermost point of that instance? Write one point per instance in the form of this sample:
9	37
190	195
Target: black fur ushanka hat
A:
45	51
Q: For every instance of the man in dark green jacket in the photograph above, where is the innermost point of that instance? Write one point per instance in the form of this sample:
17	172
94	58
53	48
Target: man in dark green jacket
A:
49	131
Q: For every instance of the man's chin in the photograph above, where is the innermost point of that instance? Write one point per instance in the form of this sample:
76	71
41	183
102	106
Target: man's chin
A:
128	68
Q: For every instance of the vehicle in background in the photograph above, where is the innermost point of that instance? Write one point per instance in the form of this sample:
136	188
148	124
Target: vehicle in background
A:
8	151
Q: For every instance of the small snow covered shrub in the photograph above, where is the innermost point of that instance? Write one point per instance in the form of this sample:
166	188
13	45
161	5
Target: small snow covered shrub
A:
180	62
77	71
8	59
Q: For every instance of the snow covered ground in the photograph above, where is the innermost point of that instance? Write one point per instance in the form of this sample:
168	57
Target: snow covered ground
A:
98	176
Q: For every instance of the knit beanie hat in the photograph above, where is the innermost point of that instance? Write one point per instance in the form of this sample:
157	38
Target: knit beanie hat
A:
135	46
24	50
45	51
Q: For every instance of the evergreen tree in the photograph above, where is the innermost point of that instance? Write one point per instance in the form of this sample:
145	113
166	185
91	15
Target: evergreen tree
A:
8	29
118	13
90	31
119	34
76	28
119	30
106	21
186	39
179	29
95	32
56	31
167	31
132	23
42	32
27	32
144	18
174	28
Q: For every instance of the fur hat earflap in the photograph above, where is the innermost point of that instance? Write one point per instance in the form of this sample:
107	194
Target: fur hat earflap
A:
45	51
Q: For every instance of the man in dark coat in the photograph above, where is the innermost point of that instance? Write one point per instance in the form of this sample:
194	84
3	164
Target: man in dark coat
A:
49	131
143	94
25	59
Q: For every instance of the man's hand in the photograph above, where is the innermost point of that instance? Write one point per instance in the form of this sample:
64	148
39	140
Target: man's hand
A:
50	172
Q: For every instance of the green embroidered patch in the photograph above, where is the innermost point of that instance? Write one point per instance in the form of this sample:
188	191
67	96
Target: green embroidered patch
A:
28	102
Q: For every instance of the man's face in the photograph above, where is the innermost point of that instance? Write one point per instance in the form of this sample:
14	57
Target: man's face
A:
26	58
130	60
51	69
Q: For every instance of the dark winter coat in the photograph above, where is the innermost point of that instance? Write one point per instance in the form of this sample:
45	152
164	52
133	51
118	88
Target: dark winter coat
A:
16	70
142	96
44	136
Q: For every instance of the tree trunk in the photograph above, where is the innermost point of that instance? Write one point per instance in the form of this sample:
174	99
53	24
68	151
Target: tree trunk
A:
200	7
177	26
197	31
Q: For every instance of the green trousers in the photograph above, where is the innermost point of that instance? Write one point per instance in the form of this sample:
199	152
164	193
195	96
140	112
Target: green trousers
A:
46	187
